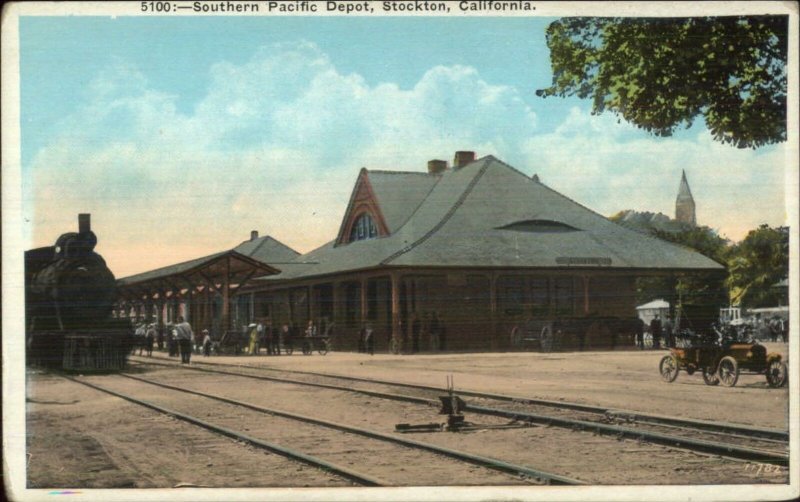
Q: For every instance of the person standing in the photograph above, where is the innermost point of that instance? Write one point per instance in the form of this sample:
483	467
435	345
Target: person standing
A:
262	337
640	333
172	341
185	336
655	330
252	348
206	343
669	332
160	338
149	338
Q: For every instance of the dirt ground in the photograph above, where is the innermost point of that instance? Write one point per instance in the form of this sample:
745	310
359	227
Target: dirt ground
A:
625	380
80	438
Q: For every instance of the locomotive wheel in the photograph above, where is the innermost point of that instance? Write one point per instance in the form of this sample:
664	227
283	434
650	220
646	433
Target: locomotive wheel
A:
289	349
728	371
307	348
668	367
710	376
323	347
776	373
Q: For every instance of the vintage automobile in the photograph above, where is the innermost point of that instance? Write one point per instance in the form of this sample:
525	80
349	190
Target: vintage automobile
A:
721	356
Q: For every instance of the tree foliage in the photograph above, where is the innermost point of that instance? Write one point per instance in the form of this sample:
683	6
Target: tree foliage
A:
661	73
756	264
703	287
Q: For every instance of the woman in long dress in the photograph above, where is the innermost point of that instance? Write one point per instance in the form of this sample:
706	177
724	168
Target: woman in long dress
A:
253	348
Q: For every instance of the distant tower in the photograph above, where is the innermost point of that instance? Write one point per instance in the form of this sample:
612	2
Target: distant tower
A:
684	204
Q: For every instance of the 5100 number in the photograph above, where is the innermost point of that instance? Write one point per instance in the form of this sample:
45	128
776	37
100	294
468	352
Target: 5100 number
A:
156	7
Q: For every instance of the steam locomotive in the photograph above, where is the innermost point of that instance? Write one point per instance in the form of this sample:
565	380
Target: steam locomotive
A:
69	295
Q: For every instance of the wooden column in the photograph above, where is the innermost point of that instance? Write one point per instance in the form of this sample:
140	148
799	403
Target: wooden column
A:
160	309
226	291
312	303
396	327
493	311
335	310
363	301
585	295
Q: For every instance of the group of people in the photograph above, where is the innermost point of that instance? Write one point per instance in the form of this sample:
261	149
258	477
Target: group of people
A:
659	331
144	337
262	334
179	337
429	329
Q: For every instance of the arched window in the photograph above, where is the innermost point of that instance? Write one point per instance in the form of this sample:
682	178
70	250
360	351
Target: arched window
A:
363	228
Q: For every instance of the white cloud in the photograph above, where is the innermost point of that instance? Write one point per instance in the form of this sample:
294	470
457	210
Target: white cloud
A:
275	145
610	166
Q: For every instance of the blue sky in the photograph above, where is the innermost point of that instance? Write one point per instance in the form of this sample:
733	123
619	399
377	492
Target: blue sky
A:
182	134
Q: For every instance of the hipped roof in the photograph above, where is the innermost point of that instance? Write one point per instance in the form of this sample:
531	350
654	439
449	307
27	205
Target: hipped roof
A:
252	256
488	214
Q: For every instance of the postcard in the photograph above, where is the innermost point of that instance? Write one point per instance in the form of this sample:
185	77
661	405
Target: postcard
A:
400	250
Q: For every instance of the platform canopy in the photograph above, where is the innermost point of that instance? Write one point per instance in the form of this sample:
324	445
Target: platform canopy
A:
226	268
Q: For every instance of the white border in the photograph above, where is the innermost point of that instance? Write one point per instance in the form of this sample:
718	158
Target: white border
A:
13	287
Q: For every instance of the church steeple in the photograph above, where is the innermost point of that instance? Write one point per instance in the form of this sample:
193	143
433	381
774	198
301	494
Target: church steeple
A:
684	204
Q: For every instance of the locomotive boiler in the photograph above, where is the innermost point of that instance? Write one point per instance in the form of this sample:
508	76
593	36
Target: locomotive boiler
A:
70	293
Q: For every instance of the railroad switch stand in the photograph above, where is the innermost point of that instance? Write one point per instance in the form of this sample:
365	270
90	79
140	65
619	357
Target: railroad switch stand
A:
452	406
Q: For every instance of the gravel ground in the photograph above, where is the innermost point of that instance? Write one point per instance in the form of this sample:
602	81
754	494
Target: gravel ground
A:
80	438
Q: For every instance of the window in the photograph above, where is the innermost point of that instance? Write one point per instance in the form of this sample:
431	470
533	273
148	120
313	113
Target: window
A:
363	228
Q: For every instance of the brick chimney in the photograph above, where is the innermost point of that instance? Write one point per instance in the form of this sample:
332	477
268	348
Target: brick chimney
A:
463	158
436	166
253	235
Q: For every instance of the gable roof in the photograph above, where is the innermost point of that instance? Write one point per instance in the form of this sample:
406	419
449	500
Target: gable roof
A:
267	250
255	253
488	214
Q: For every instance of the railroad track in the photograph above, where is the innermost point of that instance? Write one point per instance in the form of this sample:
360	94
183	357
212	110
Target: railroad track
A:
728	440
423	463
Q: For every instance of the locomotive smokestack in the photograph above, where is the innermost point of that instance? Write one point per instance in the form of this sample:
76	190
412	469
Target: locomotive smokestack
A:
84	223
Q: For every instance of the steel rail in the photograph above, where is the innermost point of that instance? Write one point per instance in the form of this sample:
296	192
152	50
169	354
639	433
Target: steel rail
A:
487	462
712	447
725	428
382	395
345	472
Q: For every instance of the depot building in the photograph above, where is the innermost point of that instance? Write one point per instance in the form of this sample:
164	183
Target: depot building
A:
473	256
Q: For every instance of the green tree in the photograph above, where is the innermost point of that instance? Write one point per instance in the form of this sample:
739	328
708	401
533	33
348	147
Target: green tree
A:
661	73
756	264
707	288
